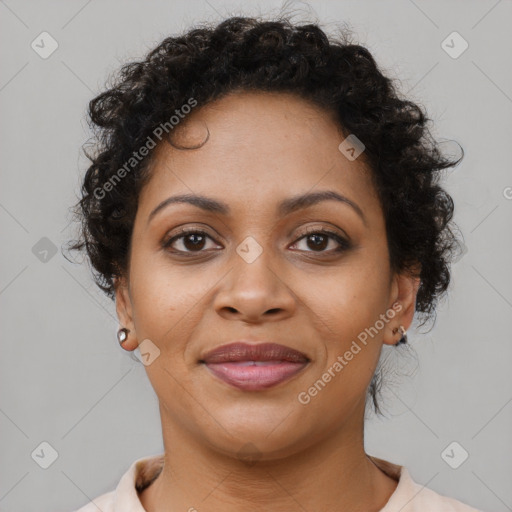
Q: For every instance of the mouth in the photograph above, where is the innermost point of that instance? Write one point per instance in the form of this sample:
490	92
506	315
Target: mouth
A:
254	367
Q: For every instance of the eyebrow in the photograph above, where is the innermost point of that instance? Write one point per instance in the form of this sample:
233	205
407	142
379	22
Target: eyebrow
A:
286	207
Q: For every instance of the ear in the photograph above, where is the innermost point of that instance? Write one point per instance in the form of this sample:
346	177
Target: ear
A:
124	311
404	290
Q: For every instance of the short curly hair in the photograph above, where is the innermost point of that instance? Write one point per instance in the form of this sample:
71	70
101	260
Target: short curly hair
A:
251	54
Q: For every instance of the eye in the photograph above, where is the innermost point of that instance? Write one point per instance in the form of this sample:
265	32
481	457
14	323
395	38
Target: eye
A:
318	240
193	240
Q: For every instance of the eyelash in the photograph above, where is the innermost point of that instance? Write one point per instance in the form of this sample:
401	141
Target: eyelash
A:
343	243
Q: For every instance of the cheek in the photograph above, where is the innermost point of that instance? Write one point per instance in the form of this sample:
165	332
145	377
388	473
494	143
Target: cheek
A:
350	303
165	300
351	297
349	308
167	310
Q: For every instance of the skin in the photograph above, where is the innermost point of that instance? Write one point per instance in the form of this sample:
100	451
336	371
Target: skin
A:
263	148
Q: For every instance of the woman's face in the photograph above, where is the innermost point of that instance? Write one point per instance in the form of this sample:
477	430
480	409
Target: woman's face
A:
257	274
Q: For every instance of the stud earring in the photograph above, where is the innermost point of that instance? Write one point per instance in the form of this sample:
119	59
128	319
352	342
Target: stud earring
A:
122	335
403	333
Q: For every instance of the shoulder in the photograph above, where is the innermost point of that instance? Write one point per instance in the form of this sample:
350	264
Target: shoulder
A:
125	496
424	499
409	496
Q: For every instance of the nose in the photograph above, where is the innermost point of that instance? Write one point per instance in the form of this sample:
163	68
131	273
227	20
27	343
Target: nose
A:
254	292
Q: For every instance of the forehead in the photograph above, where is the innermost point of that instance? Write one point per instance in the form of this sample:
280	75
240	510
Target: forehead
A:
259	147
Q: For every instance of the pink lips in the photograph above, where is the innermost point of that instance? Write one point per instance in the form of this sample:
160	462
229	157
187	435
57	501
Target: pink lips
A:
254	367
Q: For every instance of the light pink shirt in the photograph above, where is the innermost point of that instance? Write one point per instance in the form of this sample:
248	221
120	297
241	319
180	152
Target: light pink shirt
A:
408	496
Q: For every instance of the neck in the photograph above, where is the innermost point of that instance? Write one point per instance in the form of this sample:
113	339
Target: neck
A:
334	474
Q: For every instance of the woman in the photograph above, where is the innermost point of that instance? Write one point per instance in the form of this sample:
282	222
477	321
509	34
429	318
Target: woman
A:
266	213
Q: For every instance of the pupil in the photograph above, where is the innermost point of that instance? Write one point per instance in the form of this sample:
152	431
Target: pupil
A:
196	244
316	244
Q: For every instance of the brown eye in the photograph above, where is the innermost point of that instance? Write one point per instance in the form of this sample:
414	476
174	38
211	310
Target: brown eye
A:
318	240
194	241
189	240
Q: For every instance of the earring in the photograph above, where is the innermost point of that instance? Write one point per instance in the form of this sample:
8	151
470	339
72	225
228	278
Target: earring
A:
122	335
403	332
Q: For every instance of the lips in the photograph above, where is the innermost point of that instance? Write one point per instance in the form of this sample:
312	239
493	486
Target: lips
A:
241	351
254	367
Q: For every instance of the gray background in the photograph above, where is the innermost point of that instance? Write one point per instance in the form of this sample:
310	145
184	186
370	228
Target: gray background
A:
64	380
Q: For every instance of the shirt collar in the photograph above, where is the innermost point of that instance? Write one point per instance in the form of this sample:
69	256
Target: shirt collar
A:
405	490
140	474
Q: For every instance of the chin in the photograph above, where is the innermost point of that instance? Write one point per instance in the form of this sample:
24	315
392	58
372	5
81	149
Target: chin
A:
257	434
251	447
